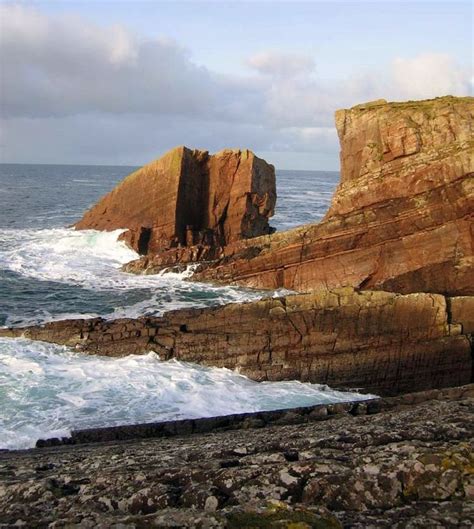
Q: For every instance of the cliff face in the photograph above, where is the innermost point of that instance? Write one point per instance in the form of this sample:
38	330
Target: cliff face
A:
396	150
383	342
189	201
400	220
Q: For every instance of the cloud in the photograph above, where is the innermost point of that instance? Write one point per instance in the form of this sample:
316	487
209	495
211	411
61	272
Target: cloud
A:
65	65
74	91
429	75
279	64
120	138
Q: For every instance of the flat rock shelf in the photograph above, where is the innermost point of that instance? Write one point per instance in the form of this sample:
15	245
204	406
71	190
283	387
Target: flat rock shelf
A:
399	462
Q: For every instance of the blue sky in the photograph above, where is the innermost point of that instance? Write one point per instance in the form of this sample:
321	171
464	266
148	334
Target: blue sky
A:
122	82
340	35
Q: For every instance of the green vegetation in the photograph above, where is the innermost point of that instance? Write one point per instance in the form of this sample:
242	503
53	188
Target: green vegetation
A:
281	516
424	105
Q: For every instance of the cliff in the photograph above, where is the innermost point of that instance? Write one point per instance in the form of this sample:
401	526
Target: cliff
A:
400	220
188	204
400	224
382	342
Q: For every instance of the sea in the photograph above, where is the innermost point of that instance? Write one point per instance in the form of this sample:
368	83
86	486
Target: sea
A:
49	271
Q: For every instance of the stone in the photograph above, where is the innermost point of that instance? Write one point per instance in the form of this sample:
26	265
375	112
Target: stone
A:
400	219
419	476
211	503
461	310
382	342
189	204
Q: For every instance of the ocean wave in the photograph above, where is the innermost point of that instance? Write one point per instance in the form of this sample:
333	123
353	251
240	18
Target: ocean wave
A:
89	258
49	390
90	261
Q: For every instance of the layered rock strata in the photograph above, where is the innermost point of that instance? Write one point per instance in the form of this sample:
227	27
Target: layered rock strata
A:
382	342
407	465
188	204
400	220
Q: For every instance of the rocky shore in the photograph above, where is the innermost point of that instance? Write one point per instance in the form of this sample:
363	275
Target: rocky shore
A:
384	302
382	342
403	462
385	281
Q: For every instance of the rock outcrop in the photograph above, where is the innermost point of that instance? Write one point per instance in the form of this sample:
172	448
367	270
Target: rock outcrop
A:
400	220
188	204
400	224
382	342
406	464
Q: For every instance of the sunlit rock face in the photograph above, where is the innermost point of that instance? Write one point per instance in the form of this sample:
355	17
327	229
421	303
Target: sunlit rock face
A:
401	217
190	203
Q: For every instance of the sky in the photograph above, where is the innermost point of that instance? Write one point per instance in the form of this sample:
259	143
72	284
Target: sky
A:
121	82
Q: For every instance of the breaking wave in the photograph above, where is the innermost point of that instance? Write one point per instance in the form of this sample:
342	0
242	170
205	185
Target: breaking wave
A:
86	264
48	390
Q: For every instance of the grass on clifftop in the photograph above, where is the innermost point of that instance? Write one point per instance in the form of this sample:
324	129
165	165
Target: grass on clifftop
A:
413	104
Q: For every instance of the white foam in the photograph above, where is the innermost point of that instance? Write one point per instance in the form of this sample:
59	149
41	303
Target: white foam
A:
92	260
43	316
48	390
88	258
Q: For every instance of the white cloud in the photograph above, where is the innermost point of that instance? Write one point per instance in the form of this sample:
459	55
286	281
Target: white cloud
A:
429	75
280	64
63	66
74	91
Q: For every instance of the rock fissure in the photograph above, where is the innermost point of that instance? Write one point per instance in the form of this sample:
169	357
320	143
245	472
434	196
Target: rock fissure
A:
188	205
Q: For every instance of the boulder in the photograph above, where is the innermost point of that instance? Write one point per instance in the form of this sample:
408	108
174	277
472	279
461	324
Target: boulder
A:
189	200
401	217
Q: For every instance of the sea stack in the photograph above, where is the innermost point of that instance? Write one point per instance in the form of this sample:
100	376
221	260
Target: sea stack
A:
189	202
385	282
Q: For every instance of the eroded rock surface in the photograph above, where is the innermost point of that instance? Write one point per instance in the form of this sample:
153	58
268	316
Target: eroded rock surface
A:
407	466
400	220
383	342
188	204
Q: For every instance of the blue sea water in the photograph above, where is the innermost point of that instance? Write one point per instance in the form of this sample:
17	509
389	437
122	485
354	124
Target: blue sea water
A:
49	271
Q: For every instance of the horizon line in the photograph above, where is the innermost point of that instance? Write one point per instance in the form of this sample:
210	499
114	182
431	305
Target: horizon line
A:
134	166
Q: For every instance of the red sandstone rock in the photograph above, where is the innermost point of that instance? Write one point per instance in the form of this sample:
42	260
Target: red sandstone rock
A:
189	201
383	342
400	220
